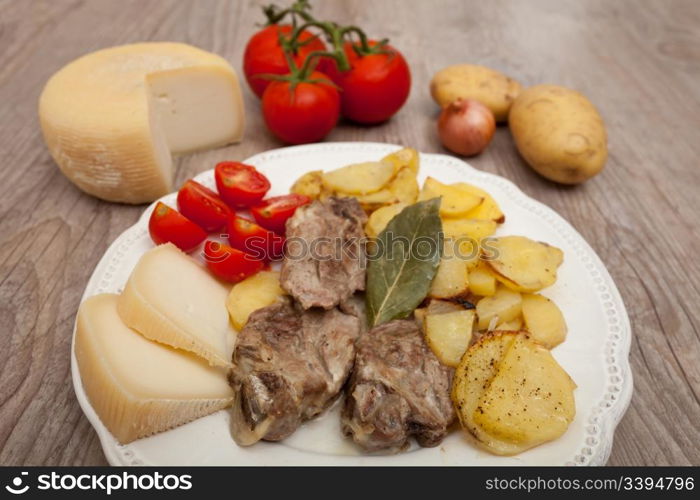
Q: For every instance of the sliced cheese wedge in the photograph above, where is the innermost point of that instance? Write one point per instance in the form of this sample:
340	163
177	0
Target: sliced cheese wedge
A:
111	119
171	299
136	386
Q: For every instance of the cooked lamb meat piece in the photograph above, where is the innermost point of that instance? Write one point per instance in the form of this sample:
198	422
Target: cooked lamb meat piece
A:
288	366
398	389
356	306
325	257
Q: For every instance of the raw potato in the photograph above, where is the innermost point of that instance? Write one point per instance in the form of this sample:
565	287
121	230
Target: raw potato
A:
452	278
449	334
455	201
251	294
522	264
381	217
544	320
559	133
469	81
488	209
482	281
511	394
504	305
359	178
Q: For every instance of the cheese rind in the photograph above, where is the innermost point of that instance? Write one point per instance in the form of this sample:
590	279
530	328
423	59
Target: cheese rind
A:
112	118
139	387
170	298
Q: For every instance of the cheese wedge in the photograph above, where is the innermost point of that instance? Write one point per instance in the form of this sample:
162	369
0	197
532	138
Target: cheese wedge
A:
111	119
171	299
136	386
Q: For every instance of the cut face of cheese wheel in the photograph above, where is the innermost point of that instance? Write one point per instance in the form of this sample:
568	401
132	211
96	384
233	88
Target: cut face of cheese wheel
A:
112	119
136	386
170	298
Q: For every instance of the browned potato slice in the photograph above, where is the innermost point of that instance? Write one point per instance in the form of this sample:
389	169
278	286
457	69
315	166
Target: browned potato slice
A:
404	158
522	264
488	209
455	201
310	184
381	217
511	394
449	334
452	278
514	325
251	294
482	281
529	401
544	320
503	305
359	178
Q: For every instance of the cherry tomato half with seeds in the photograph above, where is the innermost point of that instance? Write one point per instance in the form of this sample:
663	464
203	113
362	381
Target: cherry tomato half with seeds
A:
202	206
167	225
254	239
230	264
273	213
301	112
376	85
264	55
240	185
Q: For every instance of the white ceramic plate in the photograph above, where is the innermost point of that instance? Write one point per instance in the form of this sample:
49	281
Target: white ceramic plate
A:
595	353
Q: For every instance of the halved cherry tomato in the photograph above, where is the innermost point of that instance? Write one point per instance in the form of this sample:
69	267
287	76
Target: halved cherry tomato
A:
273	213
376	85
230	264
251	238
168	225
263	54
202	206
240	185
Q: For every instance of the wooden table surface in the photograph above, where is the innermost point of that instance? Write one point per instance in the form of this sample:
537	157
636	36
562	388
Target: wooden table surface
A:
638	61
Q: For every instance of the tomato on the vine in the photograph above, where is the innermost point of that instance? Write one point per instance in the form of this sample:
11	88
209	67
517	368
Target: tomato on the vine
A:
301	109
265	56
376	85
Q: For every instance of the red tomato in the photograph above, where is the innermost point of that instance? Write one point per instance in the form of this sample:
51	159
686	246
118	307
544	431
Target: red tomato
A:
240	185
230	264
376	85
302	112
251	238
264	56
273	213
168	225
202	206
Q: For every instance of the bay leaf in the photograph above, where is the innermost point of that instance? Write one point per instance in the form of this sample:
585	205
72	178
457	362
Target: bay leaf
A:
407	256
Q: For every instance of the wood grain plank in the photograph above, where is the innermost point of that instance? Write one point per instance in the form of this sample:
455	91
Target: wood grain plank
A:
638	61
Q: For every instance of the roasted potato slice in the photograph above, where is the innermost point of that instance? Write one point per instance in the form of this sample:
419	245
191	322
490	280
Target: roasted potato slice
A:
503	305
381	217
511	394
452	278
404	186
449	334
522	264
514	325
482	281
359	178
251	294
488	209
404	158
544	320
455	201
475	229
310	184
435	306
